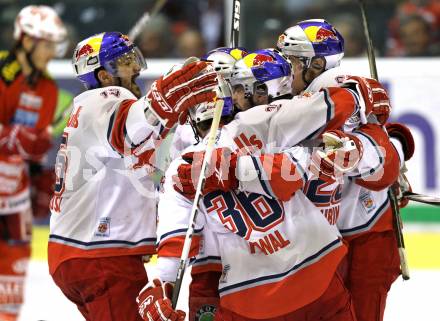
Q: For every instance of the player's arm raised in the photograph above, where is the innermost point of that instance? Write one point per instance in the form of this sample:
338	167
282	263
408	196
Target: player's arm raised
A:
308	116
166	104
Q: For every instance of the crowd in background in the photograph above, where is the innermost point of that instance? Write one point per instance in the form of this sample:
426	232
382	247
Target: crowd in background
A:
399	28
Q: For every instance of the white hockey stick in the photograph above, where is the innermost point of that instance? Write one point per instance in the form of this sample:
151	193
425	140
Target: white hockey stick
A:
194	210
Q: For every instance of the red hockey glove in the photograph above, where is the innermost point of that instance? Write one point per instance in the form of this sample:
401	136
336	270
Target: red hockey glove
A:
41	192
373	95
403	134
220	174
154	303
173	94
341	154
29	143
401	186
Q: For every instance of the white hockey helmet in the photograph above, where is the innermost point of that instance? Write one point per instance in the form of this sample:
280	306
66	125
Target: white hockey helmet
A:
205	110
313	38
224	58
41	22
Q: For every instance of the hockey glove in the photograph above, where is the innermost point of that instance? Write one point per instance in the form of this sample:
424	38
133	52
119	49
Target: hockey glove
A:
29	143
373	95
403	134
154	302
172	95
220	173
342	152
42	185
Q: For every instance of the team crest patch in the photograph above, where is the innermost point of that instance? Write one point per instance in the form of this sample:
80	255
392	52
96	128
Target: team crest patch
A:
103	227
367	202
206	313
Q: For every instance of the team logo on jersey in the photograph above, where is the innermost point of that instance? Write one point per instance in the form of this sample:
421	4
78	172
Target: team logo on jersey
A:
271	108
367	202
19	266
103	227
206	313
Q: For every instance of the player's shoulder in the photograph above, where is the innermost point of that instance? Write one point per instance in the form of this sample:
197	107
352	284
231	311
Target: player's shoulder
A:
330	78
10	68
102	96
255	115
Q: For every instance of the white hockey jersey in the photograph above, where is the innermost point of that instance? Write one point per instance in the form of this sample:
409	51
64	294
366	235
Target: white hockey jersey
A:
102	205
281	125
276	256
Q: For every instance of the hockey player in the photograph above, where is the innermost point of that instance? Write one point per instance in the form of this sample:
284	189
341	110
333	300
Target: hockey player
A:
104	208
316	48
247	127
222	60
27	104
273	246
203	296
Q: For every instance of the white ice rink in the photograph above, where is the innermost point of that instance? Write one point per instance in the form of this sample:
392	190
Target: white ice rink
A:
413	300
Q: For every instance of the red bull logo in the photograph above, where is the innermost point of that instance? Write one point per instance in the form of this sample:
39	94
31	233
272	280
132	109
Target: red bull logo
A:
255	60
91	46
84	51
319	34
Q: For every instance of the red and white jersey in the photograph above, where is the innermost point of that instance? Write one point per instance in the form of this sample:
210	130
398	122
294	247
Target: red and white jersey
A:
173	145
365	205
276	256
183	138
280	125
102	205
285	123
26	105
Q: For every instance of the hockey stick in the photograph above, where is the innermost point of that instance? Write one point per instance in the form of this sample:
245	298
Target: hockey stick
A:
235	23
431	200
235	30
393	200
194	210
140	24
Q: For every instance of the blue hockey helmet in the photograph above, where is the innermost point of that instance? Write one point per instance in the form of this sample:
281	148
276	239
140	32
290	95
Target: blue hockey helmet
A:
313	38
108	50
266	67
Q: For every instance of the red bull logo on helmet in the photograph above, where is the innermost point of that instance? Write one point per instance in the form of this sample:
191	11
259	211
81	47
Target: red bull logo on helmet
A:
84	51
90	47
255	60
319	34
